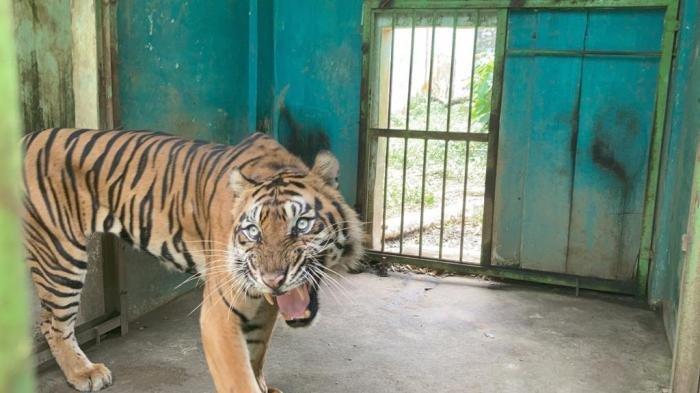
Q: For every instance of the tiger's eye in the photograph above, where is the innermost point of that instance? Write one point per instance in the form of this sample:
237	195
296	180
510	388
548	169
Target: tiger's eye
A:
252	232
302	224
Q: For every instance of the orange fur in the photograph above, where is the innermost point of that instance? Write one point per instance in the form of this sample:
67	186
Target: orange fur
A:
184	202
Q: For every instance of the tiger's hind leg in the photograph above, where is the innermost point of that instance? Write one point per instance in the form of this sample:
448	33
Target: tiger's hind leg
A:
59	281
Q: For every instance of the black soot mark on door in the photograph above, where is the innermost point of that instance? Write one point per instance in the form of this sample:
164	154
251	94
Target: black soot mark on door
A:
615	147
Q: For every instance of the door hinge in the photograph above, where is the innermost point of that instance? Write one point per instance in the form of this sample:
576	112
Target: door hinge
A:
685	239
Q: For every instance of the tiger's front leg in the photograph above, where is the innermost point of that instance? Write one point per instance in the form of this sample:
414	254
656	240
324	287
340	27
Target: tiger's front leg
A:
235	335
258	340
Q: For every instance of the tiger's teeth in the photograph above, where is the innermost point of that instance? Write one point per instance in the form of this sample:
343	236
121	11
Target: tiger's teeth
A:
268	297
307	314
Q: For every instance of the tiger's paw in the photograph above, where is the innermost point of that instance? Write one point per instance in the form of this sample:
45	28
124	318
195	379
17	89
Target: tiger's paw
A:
94	378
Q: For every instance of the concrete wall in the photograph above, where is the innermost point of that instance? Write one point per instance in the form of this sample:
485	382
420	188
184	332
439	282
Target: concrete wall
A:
58	66
44	40
680	143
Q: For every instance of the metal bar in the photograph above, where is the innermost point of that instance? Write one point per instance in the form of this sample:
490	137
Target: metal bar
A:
386	176
442	197
391	69
494	127
464	203
433	135
422	199
365	173
597	284
509	4
471	77
410	68
469	128
405	140
670	27
452	69
123	292
584	53
430	74
371	212
403	194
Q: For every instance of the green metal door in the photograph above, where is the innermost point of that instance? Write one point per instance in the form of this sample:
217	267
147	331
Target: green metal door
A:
579	95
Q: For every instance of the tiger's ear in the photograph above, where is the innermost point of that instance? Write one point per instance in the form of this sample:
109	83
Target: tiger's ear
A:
238	183
326	166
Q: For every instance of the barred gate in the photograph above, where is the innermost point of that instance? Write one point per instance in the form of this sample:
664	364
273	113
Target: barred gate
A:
584	87
431	129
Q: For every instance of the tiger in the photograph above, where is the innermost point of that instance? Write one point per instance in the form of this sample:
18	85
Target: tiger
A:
261	228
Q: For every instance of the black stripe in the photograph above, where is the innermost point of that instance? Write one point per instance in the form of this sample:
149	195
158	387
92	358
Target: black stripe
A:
246	326
73	284
40	178
90	145
58	244
55	291
342	217
56	306
47	147
146	218
65	317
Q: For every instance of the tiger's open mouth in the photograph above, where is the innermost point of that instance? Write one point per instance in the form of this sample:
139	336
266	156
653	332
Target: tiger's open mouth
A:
297	306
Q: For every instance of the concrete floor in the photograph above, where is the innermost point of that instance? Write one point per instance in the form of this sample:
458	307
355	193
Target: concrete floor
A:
414	333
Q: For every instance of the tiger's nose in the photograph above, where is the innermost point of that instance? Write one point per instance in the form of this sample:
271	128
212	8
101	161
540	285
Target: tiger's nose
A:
275	279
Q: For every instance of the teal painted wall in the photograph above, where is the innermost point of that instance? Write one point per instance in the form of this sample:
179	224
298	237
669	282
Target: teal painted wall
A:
317	73
680	143
219	71
183	67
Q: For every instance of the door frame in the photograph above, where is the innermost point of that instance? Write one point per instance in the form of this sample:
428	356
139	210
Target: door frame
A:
367	154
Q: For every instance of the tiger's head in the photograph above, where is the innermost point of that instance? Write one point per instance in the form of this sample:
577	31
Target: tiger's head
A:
291	233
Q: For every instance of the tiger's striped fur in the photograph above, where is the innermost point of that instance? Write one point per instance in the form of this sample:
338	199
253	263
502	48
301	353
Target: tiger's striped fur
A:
193	205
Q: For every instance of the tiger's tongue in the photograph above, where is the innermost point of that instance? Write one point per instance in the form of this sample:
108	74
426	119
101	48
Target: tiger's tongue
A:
294	303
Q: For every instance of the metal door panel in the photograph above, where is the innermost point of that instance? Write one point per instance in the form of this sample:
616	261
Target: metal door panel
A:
576	120
616	115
